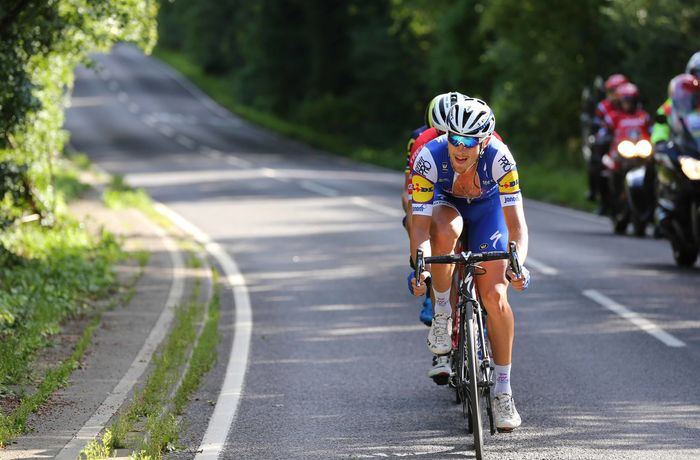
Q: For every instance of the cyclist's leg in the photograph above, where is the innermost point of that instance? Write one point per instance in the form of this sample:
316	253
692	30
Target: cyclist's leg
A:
488	232
446	229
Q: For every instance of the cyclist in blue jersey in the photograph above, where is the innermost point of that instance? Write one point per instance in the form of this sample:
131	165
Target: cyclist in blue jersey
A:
467	176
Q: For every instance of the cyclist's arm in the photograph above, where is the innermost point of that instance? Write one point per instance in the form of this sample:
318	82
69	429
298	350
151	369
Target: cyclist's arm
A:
422	195
511	200
517	228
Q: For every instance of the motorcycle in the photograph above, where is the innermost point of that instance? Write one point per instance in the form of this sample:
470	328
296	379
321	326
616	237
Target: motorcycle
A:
631	148
678	191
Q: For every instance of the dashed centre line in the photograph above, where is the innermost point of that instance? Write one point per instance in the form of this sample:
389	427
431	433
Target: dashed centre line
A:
634	318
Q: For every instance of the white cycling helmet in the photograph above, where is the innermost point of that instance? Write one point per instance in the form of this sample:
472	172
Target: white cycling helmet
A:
471	117
439	107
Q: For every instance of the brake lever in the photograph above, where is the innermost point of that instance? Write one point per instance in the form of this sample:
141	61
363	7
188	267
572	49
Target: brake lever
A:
420	265
513	258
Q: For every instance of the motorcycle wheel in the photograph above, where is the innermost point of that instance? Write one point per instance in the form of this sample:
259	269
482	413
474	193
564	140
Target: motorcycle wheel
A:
684	256
639	227
620	223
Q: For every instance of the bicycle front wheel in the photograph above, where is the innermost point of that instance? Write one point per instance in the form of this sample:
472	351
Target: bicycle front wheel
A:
473	373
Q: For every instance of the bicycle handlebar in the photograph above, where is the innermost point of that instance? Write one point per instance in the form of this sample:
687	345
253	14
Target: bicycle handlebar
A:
467	258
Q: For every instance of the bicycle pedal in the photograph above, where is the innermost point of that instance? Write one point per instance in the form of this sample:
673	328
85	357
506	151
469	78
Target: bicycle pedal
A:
505	430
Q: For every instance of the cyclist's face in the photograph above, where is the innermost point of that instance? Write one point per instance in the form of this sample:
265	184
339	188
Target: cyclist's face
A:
463	158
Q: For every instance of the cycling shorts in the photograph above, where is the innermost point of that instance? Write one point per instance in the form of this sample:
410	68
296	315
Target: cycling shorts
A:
484	218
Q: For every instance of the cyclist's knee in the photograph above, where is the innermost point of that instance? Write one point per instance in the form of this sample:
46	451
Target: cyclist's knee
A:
495	301
443	240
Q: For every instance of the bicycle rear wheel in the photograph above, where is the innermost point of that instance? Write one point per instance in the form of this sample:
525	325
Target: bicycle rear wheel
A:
473	387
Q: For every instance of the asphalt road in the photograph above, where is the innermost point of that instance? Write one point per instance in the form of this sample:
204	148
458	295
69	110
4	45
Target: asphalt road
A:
338	362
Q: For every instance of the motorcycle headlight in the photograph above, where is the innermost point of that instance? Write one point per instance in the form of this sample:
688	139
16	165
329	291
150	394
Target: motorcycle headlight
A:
690	167
626	149
643	148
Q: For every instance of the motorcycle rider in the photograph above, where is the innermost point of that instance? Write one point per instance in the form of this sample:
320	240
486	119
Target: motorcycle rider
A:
678	170
661	131
601	145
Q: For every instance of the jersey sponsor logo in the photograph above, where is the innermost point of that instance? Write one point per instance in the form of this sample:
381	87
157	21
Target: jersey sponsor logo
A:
510	183
423	189
444	166
483	246
495	237
505	163
509	200
423	166
418	208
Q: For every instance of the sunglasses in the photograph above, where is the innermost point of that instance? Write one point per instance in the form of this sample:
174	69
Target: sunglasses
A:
463	141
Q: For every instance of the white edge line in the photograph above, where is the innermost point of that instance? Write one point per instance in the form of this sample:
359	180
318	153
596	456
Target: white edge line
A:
634	318
318	188
118	395
541	268
227	403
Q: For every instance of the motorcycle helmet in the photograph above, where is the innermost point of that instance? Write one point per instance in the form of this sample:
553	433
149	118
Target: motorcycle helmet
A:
629	96
613	82
471	117
684	91
693	66
438	109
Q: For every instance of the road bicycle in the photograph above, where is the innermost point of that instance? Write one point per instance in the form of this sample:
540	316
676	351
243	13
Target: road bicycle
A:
472	365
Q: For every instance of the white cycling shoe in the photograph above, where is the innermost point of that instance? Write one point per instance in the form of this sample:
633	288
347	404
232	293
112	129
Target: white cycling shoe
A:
441	370
507	417
440	335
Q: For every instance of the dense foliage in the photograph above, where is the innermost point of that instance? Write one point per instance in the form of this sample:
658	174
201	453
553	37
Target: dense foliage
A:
41	42
365	69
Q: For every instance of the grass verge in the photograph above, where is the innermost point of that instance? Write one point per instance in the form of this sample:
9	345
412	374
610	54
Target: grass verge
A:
14	424
153	412
55	273
119	195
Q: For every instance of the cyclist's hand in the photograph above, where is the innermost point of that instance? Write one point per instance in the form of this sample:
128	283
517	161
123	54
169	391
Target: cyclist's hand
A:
520	283
417	290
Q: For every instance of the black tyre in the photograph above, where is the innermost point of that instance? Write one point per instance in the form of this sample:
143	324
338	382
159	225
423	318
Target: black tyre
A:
639	227
684	256
474	397
620	222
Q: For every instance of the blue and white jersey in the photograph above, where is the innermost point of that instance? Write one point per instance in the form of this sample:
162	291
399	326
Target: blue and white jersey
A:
433	172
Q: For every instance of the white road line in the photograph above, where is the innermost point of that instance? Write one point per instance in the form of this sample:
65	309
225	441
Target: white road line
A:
166	130
116	398
238	162
267	172
540	267
634	318
184	141
227	404
318	188
386	210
